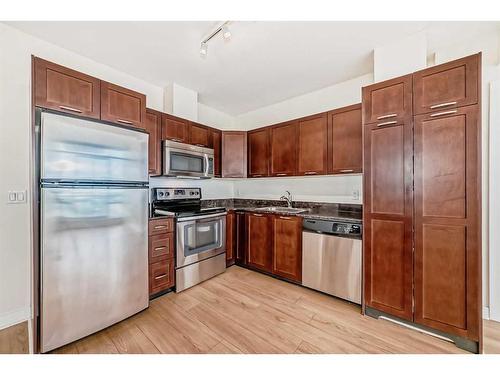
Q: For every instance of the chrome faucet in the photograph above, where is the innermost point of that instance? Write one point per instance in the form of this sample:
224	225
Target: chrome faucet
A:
287	198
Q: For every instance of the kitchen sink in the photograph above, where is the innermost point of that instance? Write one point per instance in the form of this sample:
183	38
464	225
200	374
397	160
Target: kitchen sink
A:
284	210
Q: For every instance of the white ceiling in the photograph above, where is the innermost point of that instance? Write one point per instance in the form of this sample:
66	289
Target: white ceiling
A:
263	63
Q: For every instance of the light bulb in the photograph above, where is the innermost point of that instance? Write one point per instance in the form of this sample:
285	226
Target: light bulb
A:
226	34
203	49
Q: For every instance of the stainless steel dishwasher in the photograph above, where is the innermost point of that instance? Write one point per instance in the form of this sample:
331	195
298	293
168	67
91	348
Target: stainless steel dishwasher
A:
331	259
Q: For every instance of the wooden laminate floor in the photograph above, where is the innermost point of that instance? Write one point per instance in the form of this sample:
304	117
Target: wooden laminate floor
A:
14	339
242	311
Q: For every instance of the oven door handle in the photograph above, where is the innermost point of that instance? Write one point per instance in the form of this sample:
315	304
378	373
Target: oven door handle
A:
200	219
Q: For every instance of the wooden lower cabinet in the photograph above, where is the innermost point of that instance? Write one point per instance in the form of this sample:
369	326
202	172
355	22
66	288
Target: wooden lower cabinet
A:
447	222
259	248
287	247
388	257
161	246
230	238
241	238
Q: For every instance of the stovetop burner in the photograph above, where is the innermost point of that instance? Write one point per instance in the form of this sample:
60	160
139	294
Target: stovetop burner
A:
179	202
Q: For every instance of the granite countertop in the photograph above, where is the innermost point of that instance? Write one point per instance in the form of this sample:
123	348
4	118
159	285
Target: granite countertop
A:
325	211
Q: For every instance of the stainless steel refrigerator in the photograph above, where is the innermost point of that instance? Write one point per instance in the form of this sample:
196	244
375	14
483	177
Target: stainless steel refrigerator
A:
93	226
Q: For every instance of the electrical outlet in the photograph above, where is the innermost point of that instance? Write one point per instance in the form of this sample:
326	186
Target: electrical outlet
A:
16	197
355	195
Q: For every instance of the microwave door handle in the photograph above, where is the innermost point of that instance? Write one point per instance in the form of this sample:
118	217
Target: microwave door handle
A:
207	165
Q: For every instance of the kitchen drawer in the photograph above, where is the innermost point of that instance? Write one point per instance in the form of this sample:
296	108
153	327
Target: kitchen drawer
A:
161	275
161	246
160	226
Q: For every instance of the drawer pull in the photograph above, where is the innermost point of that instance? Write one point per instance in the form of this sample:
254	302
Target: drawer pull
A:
285	218
442	105
346	170
160	248
443	113
256	175
161	226
160	276
281	174
387	123
70	109
176	139
312	172
124	121
257	215
200	145
387	116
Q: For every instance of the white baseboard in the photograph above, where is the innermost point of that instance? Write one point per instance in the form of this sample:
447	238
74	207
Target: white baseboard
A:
12	317
486	312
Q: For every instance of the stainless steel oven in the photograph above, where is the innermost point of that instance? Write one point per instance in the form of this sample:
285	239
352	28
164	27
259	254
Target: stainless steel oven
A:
201	249
181	159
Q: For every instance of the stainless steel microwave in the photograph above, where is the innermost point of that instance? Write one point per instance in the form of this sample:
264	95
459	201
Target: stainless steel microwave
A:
181	159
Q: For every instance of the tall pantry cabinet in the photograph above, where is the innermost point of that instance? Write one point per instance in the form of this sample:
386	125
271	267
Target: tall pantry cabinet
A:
422	218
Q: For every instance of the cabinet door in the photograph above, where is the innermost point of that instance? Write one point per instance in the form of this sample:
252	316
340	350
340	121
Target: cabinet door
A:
388	101
312	145
66	90
161	275
287	247
447	222
199	135
174	128
388	180
216	144
454	84
259	251
230	238
153	127
241	238
345	140
122	105
258	153
283	149
234	154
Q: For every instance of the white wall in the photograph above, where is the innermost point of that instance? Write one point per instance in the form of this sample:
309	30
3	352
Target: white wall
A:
16	49
332	189
181	101
402	57
217	119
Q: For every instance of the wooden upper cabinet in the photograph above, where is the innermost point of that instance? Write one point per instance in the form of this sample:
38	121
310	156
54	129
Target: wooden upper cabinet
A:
258	234
215	142
234	154
447	221
258	153
388	101
174	129
387	210
122	105
199	135
283	142
312	145
287	247
66	90
153	126
345	140
449	85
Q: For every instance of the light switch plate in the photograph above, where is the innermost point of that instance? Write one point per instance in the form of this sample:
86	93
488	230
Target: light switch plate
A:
16	197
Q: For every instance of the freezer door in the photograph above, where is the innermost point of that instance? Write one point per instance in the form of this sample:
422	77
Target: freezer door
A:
76	149
94	260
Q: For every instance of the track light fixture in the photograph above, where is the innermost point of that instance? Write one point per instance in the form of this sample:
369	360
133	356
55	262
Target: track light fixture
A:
226	34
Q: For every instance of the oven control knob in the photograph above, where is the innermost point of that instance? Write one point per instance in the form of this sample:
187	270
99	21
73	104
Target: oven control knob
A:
192	193
160	193
167	194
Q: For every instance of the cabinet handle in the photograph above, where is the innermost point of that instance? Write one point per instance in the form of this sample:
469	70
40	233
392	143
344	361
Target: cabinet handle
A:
312	172
70	109
124	121
443	113
387	116
281	174
442	105
161	226
285	218
160	248
258	215
200	145
346	170
387	123
160	277
256	175
176	139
